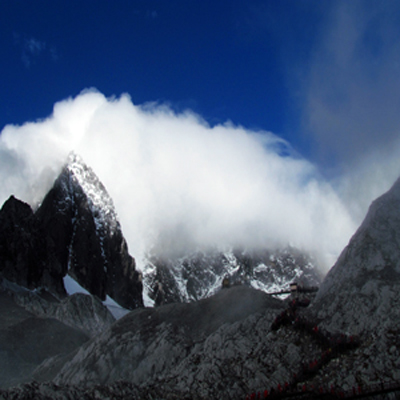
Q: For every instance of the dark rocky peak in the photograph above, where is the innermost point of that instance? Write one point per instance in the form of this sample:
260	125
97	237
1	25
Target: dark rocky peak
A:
87	240
15	212
20	247
74	231
78	187
78	183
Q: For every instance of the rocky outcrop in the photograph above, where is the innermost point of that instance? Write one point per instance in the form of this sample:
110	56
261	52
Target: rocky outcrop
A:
223	346
241	341
219	347
84	312
21	248
361	294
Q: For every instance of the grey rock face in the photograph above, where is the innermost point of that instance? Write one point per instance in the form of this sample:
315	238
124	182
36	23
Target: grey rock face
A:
361	293
222	346
359	298
229	345
84	312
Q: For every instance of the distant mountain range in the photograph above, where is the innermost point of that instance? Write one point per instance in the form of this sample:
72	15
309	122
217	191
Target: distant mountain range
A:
200	274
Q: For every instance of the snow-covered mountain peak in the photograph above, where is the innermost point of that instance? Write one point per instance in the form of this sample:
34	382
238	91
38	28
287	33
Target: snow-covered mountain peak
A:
99	200
85	237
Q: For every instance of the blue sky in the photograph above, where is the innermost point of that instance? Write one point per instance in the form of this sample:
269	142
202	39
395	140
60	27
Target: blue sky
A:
322	75
227	60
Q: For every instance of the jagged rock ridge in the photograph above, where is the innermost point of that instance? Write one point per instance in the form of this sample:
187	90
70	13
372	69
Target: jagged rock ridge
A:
201	274
176	343
80	311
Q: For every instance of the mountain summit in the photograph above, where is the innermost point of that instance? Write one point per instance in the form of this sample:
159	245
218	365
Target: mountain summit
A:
74	232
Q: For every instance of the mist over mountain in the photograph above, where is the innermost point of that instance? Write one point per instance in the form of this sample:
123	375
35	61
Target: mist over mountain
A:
75	236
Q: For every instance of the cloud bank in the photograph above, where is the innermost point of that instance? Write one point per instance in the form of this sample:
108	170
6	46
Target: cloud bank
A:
175	180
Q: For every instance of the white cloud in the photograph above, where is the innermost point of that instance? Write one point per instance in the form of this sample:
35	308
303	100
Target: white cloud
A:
175	178
32	48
